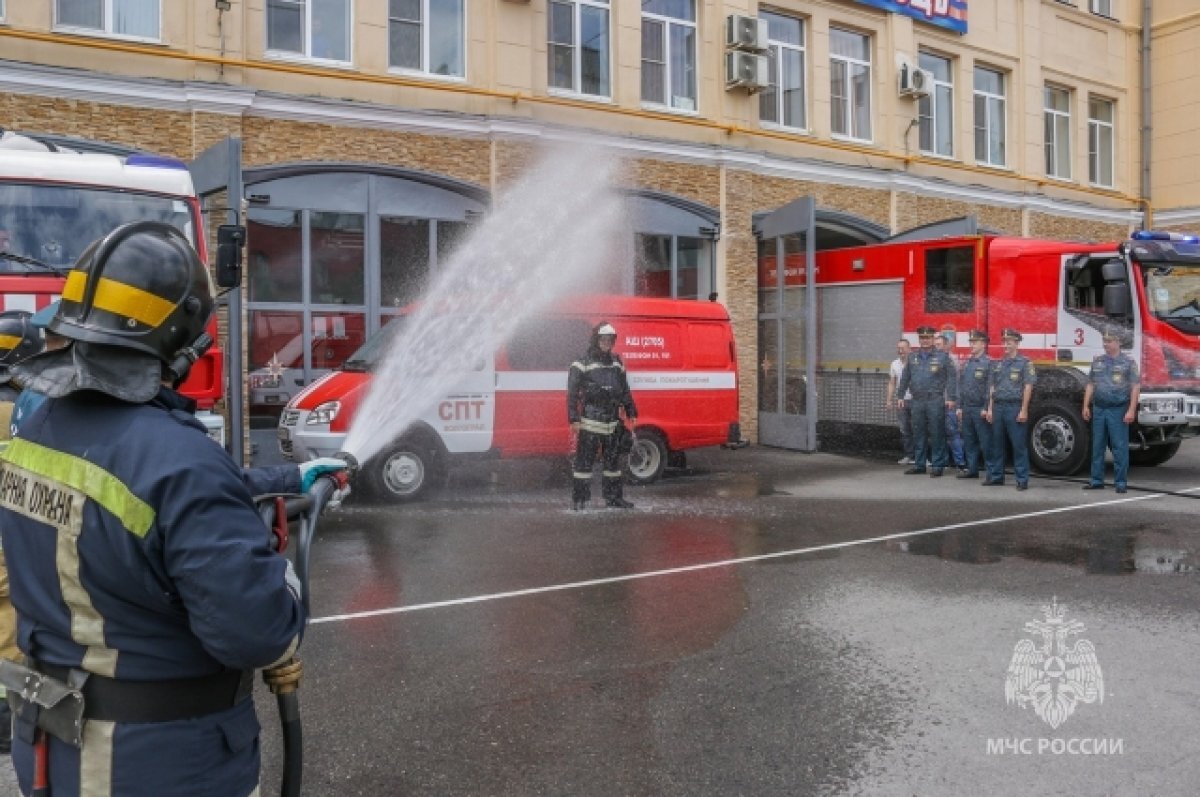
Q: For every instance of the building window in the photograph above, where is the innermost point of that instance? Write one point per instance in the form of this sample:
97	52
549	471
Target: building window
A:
1100	141
1102	7
783	101
850	84
427	36
673	266
579	46
989	117
950	280
936	111
312	28
669	53
134	18
1058	132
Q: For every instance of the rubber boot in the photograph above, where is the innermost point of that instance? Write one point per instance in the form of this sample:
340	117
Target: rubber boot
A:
581	495
614	494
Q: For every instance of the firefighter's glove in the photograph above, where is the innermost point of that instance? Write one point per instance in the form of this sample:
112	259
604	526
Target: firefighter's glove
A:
313	469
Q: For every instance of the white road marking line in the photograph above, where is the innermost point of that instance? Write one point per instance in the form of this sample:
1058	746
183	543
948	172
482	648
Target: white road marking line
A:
595	582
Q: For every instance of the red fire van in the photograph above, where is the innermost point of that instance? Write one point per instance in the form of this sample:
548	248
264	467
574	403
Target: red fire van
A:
682	367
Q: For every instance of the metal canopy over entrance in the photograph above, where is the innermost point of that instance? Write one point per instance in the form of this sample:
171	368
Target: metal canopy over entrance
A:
787	405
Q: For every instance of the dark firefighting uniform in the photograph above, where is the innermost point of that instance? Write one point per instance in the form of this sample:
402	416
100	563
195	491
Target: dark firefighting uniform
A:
597	389
137	556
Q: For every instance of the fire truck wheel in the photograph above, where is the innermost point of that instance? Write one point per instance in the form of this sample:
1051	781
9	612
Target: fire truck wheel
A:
1155	455
404	472
1058	439
648	458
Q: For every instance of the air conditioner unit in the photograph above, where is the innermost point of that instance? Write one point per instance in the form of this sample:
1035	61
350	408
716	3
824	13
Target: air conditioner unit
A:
915	82
745	33
747	70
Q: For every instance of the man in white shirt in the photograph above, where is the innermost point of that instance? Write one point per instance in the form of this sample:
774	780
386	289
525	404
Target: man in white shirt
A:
903	414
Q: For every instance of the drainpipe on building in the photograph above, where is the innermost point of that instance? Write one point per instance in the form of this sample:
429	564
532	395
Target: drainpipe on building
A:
1147	207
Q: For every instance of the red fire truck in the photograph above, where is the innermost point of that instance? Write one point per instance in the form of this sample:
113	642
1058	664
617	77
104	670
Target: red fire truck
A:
1059	295
54	202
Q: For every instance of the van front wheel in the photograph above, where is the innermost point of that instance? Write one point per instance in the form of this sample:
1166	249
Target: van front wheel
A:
648	457
404	472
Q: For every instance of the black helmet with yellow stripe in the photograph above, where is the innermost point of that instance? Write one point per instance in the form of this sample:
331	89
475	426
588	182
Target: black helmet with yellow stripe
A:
19	340
141	287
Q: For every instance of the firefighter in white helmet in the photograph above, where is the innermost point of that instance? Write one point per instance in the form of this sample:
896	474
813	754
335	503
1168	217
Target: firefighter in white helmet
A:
597	391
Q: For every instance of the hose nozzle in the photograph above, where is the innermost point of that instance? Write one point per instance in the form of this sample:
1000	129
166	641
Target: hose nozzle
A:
351	462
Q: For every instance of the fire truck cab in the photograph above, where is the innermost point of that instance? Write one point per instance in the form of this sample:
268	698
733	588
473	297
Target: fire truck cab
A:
54	202
1060	296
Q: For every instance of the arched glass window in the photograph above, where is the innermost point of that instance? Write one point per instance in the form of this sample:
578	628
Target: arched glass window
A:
335	252
673	246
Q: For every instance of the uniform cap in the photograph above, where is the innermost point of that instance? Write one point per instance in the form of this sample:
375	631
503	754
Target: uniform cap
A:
979	334
926	332
1011	334
1111	334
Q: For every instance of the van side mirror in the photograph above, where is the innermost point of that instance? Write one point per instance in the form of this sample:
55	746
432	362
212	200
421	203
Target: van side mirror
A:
230	240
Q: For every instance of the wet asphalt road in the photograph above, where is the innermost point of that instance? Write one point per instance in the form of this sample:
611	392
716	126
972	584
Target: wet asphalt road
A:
837	667
765	623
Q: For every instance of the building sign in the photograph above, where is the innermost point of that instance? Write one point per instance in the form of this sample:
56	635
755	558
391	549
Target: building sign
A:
950	14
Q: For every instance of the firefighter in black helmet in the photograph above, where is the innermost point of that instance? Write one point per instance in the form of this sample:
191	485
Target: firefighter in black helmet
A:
19	340
597	391
142	575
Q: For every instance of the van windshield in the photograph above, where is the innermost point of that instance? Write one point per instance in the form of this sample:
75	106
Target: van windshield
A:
368	355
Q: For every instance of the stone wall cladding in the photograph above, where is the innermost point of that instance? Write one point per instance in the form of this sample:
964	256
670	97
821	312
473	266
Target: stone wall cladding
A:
165	132
688	180
267	141
915	210
1042	225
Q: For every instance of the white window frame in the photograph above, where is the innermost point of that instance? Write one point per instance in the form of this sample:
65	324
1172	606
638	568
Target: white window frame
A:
1102	7
424	70
105	31
1095	126
1	10
667	23
307	54
935	111
776	48
988	99
577	48
1051	113
848	61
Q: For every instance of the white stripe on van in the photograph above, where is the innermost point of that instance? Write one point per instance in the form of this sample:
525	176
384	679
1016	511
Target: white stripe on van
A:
554	381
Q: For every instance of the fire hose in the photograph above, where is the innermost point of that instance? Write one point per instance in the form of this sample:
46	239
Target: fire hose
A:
280	512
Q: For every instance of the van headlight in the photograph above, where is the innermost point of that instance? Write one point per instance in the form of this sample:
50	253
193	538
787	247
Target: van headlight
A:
323	413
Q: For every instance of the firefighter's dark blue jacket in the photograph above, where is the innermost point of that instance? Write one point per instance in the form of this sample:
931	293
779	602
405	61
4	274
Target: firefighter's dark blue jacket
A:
134	548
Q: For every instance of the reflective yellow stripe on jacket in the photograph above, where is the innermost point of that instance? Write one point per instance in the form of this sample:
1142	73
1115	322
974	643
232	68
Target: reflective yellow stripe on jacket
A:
51	487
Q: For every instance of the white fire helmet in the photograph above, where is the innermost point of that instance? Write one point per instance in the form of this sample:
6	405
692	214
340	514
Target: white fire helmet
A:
606	329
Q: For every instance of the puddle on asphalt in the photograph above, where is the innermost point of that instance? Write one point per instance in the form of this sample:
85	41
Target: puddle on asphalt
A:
1114	553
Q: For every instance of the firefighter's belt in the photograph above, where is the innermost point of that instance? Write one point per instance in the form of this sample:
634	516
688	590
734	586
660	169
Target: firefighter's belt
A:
57	708
125	701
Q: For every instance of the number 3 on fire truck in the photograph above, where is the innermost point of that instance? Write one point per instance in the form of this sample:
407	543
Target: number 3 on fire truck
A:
1078	336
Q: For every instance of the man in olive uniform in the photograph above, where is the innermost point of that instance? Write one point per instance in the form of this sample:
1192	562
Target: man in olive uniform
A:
1013	378
930	375
972	407
1110	403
